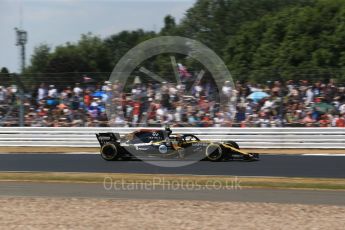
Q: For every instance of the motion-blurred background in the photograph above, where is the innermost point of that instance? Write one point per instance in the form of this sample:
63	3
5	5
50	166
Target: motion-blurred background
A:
286	58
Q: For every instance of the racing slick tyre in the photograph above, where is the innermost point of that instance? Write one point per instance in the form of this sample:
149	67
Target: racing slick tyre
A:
214	152
109	152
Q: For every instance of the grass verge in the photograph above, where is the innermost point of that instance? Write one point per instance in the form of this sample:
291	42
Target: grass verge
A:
245	182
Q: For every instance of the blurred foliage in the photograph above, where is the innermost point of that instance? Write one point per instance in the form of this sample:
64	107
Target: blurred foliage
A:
305	40
259	40
5	77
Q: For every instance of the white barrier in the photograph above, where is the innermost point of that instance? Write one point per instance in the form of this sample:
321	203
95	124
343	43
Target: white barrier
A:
326	138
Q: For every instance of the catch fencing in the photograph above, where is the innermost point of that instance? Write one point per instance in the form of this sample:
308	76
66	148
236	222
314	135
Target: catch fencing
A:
309	138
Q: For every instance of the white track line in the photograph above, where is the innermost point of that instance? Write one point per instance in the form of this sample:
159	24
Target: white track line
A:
325	154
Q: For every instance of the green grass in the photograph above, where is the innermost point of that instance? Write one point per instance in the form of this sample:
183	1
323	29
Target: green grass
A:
244	182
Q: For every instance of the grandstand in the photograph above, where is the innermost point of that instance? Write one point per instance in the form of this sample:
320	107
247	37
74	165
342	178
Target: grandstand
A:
275	104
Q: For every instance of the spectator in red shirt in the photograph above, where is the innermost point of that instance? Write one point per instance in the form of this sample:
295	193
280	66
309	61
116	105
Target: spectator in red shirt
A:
136	113
340	122
324	121
87	98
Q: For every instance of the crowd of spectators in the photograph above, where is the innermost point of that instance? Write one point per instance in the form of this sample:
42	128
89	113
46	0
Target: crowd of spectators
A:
294	103
201	104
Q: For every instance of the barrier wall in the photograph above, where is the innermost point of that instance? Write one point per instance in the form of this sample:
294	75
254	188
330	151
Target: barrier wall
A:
332	138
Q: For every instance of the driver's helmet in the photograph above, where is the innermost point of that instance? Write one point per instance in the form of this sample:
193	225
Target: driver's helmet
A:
168	130
167	127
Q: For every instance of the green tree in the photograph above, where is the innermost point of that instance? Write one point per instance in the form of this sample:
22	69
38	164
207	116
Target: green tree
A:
169	26
259	40
93	51
215	22
119	44
5	77
296	42
39	59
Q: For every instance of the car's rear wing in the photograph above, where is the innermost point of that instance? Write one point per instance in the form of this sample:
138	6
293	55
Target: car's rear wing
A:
104	138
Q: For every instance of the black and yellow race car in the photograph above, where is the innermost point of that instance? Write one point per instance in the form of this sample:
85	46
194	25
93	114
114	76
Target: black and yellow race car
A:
165	145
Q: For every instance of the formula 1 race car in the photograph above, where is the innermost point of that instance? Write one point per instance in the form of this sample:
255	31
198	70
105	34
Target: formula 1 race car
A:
162	144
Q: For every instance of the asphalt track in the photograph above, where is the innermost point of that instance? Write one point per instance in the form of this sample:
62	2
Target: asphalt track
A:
25	189
269	165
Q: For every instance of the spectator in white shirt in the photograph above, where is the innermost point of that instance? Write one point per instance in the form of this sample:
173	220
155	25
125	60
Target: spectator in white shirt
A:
42	92
77	90
52	92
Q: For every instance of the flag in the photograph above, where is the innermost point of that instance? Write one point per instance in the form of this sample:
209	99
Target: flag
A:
87	79
183	70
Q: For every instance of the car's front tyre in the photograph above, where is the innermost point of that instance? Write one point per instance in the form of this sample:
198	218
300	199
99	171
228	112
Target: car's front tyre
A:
214	152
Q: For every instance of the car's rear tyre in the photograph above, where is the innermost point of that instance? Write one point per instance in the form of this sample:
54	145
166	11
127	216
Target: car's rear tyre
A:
214	152
109	152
